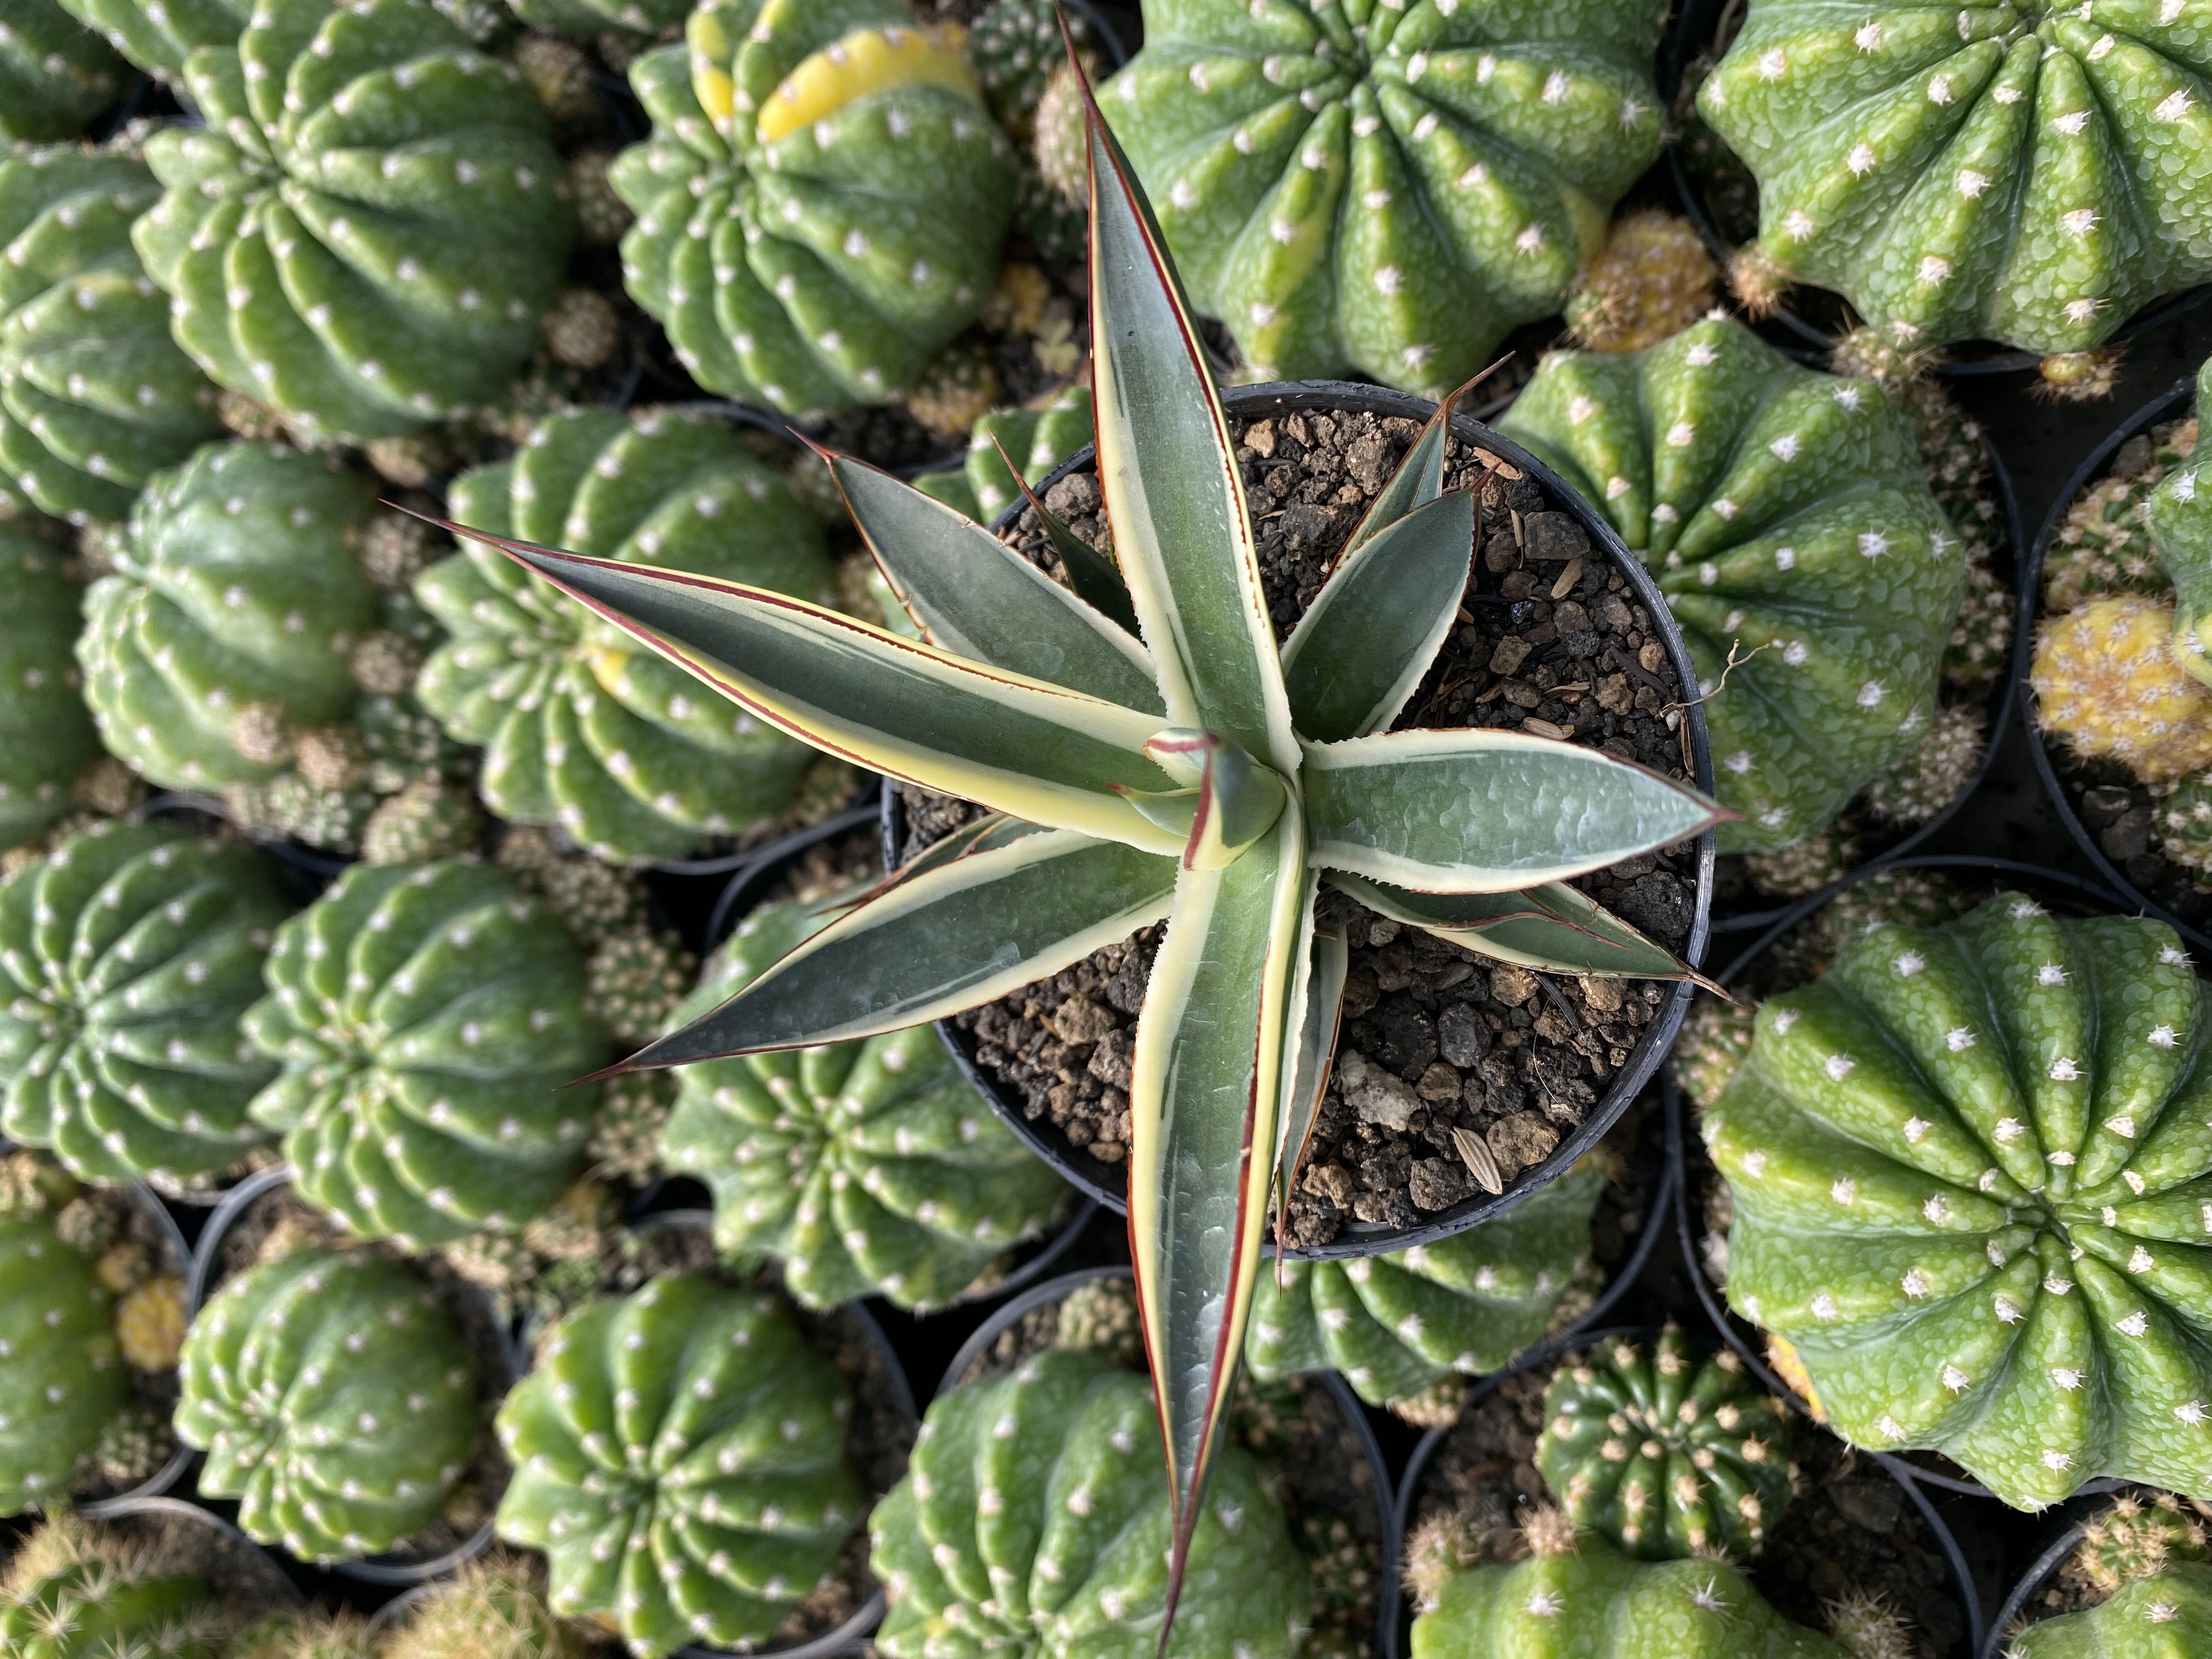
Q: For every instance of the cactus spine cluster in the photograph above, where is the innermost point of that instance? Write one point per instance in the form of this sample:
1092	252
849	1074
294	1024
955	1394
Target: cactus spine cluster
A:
680	1457
2135	1539
2106	547
868	1167
1653	279
1034	1517
1035	440
1960	1164
2166	1614
1815	576
46	735
428	1018
127	959
2011	174
94	396
335	1401
1351	187
65	1381
1397	1324
366	231
821	205
1664	1452
2183	823
2107	681
54	75
493	1608
75	1591
582	728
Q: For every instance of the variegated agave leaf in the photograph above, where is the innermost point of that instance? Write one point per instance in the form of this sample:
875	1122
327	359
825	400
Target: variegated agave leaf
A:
1194	773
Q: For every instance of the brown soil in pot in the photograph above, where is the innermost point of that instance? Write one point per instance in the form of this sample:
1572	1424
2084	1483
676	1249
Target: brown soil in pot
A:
277	1223
881	1432
1296	1427
1550	640
1850	1529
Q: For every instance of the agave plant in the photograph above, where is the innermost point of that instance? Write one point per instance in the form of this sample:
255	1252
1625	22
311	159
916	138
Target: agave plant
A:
1177	765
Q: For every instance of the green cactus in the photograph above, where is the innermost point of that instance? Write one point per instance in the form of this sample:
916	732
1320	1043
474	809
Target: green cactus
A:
2167	1616
2135	1540
313	1634
75	1591
868	1169
1397	1324
1035	440
1787	517
1961	1165
334	1399
2179	516
427	1017
2105	546
1015	46
227	627
94	396
493	1608
366	231
159	35
583	730
65	1381
593	16
1034	1519
821	205
680	1457
2183	823
46	736
1665	1454
127	959
1352	186
2011	174
428	819
1585	1602
54	75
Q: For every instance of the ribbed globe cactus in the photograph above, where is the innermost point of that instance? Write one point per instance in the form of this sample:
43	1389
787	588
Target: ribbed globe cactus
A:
868	1169
366	231
228	623
1035	439
1397	1324
822	201
2179	518
1962	1165
75	1591
65	1381
158	35
2007	172
2165	1616
1666	1452
2183	824
2109	681
427	1017
680	1456
582	727
1034	1519
127	958
1393	192
1585	1601
334	1399
54	74
1788	520
46	736
94	396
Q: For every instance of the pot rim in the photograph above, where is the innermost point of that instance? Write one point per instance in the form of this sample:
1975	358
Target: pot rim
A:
1339	1393
1397	1632
2168	404
1711	1301
392	1567
1812	342
1103	1182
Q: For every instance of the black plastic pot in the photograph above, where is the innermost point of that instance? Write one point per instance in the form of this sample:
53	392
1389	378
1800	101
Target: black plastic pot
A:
2173	403
1355	1417
1106	1183
1737	1333
1690	30
1397	1632
397	1568
179	1256
1997	704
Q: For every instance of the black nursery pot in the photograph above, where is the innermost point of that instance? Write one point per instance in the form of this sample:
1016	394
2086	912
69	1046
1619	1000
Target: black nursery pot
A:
1396	1633
489	1341
2065	793
1693	1176
1105	1181
1380	1526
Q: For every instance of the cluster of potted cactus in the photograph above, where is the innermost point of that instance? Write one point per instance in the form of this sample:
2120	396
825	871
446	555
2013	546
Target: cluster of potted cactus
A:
684	684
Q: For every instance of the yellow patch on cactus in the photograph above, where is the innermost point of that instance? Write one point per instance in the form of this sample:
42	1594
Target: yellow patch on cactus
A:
150	1322
859	66
1781	1355
2106	680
